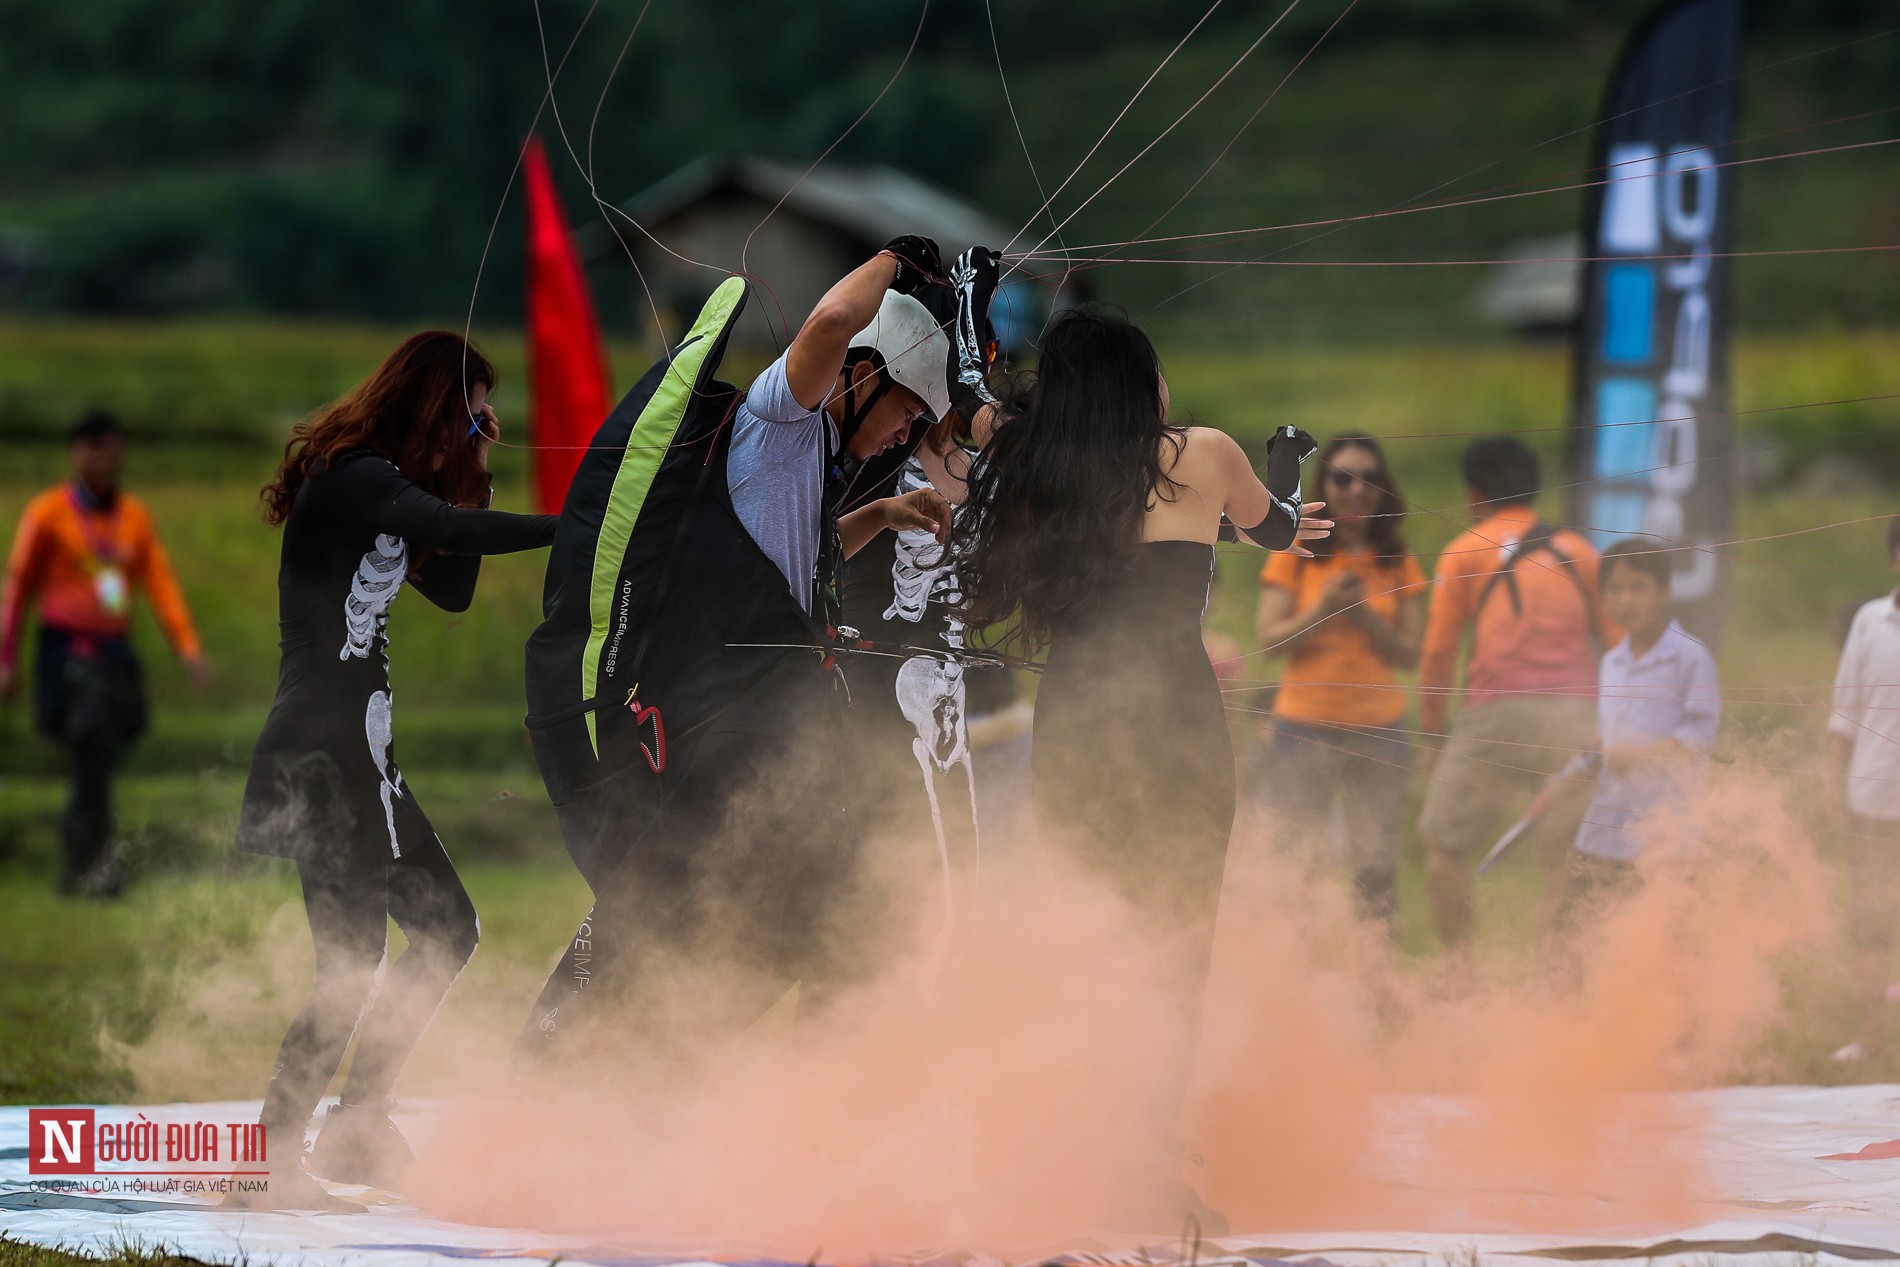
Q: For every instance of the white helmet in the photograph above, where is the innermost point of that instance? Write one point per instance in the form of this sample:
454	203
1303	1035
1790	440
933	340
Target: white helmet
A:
914	348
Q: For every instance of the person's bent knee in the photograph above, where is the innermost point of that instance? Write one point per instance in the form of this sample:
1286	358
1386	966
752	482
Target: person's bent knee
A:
437	917
345	985
460	938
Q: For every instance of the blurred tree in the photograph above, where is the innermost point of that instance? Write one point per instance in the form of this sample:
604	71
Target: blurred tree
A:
347	156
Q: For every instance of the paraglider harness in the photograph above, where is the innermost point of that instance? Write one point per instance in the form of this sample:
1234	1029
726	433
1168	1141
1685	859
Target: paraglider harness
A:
652	580
660	612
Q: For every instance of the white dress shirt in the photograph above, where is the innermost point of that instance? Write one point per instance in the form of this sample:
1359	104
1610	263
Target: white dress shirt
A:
1668	692
1867	708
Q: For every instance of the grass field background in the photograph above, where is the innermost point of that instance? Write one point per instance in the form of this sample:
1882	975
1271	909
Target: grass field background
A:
97	1002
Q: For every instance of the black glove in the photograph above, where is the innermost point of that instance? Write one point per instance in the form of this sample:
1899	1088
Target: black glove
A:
919	263
1286	449
941	302
974	277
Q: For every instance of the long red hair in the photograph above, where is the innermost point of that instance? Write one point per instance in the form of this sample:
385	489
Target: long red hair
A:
412	408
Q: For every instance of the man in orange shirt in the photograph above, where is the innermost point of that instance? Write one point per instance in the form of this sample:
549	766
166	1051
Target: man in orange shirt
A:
80	550
1527	591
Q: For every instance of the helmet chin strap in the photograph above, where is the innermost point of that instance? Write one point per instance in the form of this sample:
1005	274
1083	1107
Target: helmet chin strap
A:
844	465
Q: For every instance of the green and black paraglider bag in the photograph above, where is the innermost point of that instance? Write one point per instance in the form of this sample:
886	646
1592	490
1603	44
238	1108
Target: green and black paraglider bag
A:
653	591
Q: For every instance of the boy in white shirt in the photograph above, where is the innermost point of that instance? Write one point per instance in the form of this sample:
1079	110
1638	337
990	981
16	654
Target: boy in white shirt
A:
1659	705
1863	794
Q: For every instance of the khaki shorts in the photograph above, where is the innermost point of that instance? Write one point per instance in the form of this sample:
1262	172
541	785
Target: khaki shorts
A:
1497	756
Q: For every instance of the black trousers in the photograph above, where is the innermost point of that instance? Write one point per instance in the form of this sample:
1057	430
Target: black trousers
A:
737	863
349	905
89	697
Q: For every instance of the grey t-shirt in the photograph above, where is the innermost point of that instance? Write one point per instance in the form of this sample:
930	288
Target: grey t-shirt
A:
776	473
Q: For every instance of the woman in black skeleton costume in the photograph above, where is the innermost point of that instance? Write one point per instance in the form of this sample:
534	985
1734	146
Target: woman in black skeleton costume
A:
389	485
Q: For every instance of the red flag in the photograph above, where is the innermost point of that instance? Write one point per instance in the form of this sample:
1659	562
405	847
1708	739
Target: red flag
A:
567	373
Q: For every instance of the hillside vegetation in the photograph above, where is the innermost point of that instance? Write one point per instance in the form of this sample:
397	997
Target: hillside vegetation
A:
348	159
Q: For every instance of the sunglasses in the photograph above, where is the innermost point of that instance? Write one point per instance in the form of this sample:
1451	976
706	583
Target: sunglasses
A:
1349	479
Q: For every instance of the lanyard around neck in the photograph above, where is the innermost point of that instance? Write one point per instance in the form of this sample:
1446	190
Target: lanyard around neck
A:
102	544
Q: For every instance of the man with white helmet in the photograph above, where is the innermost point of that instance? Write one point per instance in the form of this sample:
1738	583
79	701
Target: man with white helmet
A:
866	371
733	853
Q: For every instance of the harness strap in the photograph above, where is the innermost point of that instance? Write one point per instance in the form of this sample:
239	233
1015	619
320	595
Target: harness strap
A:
546	721
1539	539
843	639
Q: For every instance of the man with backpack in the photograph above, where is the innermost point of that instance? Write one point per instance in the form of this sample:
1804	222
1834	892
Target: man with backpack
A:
686	696
1527	592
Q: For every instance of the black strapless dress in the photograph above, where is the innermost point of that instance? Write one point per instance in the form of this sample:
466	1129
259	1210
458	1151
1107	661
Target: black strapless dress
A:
1132	769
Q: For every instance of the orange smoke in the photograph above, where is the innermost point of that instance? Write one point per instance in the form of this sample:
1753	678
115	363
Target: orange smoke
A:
1024	1090
1353	1093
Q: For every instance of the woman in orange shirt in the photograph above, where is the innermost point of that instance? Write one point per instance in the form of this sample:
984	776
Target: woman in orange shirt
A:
1345	619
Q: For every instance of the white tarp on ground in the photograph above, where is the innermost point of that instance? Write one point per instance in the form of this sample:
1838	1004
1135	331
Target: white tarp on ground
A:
1777	1200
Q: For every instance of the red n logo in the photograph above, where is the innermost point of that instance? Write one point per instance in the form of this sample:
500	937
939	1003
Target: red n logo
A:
59	1141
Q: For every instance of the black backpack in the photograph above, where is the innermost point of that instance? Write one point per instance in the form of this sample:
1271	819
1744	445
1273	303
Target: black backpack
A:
652	586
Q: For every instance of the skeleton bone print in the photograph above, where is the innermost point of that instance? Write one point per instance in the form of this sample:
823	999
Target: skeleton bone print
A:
930	690
930	693
374	587
380	735
922	572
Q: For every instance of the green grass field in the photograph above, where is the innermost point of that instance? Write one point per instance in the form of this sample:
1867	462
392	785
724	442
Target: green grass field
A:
19	1254
181	990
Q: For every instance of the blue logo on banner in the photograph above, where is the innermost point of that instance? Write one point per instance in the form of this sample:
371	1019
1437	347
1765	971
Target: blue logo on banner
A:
1629	313
1625	450
1626	422
1616	514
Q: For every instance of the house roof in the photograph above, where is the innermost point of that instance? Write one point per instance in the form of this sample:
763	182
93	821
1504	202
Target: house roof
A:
1537	285
873	201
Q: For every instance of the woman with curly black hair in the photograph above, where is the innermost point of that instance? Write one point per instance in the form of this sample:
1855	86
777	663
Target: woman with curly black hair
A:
386	487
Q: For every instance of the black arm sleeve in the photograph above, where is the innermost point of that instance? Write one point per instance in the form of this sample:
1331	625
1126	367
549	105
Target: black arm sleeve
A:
448	580
1285	451
387	502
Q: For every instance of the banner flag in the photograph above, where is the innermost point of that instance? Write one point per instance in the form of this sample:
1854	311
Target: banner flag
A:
567	371
1649	431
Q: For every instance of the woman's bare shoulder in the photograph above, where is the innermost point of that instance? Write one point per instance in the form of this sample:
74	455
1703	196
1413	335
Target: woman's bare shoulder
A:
1209	446
1203	462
